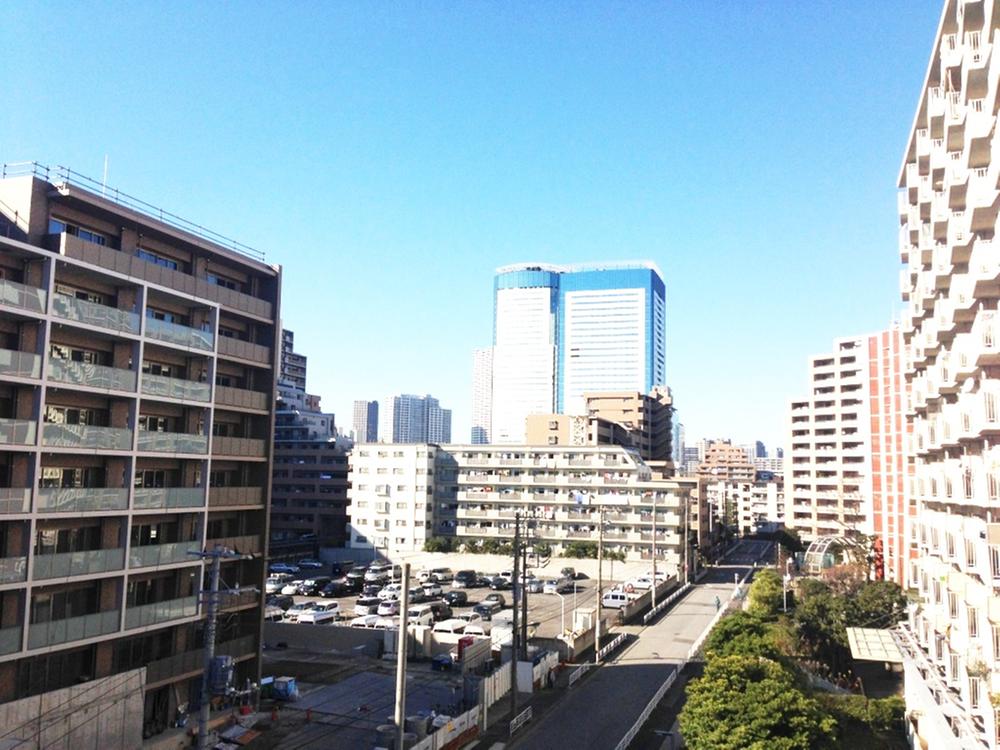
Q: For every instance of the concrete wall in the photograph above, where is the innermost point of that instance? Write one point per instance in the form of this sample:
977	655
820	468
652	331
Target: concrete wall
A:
325	638
103	714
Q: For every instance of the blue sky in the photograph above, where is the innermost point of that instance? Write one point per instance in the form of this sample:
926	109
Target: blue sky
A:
391	155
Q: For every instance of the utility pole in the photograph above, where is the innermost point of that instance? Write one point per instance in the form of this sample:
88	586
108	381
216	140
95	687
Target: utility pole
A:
600	578
514	636
524	599
653	587
402	642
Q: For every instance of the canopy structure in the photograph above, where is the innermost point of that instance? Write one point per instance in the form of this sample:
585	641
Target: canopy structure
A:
829	551
873	644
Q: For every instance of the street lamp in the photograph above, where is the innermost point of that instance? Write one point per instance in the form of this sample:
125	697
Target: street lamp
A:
784	585
562	611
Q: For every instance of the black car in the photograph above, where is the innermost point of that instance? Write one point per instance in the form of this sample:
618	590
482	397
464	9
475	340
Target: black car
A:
356	576
465	579
342	568
334	589
483	582
486	609
456	598
312	586
498	598
417	595
371	589
278	600
500	584
441	611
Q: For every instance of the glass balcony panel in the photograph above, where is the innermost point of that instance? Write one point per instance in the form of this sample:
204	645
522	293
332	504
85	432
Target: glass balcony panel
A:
168	497
15	499
172	442
97	376
162	554
18	431
20	364
151	614
10	639
223	496
82	311
189	390
64	564
13	569
86	436
73	628
173	333
81	499
24	297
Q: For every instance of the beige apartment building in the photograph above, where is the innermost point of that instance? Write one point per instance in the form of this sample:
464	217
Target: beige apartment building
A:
137	372
951	282
725	462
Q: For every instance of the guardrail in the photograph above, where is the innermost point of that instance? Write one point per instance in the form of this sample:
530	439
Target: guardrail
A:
578	673
665	603
520	720
653	702
615	643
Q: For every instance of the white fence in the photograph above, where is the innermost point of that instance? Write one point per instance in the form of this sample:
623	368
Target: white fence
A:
495	686
541	671
459	725
653	702
665	603
520	720
615	643
578	673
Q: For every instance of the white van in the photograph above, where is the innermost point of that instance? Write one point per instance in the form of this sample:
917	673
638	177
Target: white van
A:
421	614
481	629
453	626
616	599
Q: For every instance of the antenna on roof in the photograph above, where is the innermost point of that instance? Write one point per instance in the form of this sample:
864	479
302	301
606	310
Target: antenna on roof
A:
104	181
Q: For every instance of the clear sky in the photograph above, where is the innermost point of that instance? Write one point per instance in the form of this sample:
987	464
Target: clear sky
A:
391	155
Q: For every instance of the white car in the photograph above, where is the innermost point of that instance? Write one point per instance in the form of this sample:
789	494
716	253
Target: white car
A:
471	618
276	582
421	614
661	575
432	588
297	610
366	605
324	613
388	608
273	613
640	583
365	621
291	588
391	592
386	623
378	573
556	586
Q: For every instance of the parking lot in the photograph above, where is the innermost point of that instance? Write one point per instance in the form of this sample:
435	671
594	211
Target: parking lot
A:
546	612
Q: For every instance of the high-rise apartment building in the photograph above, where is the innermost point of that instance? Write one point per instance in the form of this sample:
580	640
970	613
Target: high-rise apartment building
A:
138	363
648	417
365	421
562	331
413	419
293	364
482	396
722	461
948	214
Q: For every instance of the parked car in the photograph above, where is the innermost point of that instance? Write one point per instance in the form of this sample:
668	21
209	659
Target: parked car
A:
487	608
456	598
442	575
640	583
280	601
356	575
536	585
378	573
441	611
386	623
484	581
500	584
364	621
616	599
388	608
453	626
481	630
367	605
335	589
417	595
341	569
471	618
569	573
432	588
312	586
292	587
282	568
276	582
371	589
498	598
465	579
310	564
390	592
325	613
660	576
293	613
273	613
420	615
508	574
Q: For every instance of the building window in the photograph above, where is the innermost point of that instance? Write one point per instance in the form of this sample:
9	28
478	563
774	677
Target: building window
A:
974	692
214	278
953	605
57	226
158	260
995	561
970	553
973	614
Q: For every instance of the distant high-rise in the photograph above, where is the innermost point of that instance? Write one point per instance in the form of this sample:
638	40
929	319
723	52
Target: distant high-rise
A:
482	395
562	331
759	450
413	419
366	421
293	365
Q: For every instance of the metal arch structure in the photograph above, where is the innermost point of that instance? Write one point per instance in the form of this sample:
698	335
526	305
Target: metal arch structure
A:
829	551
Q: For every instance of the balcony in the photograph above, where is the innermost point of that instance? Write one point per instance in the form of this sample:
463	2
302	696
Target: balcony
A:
51	633
229	496
174	333
22	297
65	564
18	431
239	349
190	662
151	614
238	600
15	499
240	398
249	544
91	313
172	442
186	390
150	555
147	498
86	436
20	364
81	499
13	569
239	447
95	376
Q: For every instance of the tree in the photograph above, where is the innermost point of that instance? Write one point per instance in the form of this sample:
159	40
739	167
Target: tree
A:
766	593
876	604
741	633
750	703
819	621
439	544
580	550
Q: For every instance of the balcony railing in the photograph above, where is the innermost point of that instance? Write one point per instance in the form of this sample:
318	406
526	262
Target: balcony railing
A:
91	313
151	614
172	442
168	497
73	628
174	333
81	499
243	544
188	390
18	431
162	554
21	296
20	364
242	599
15	499
10	639
240	397
96	376
13	569
226	496
193	661
233	347
235	446
86	436
64	564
